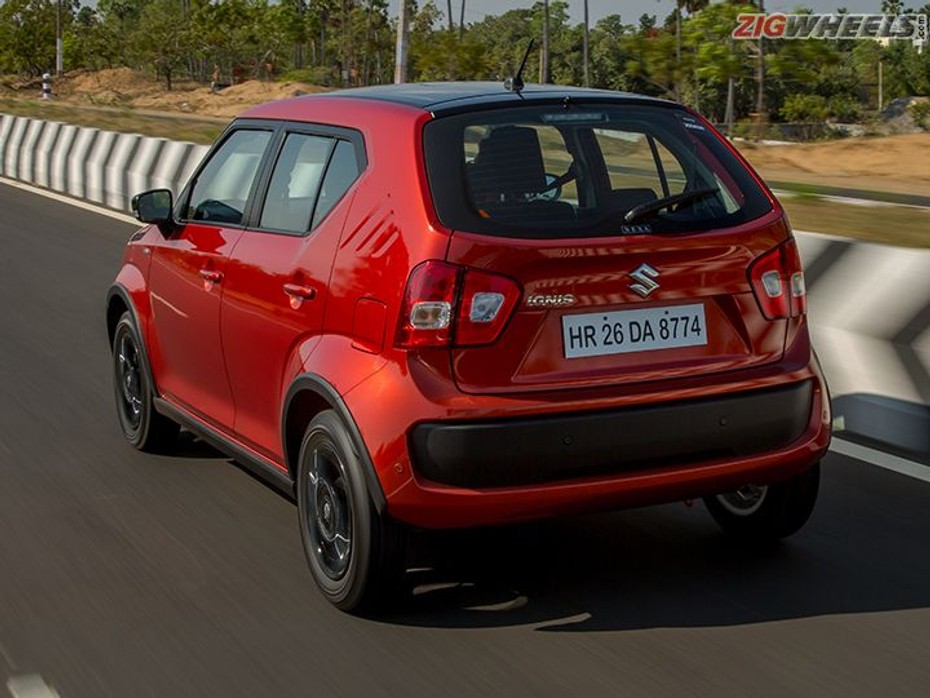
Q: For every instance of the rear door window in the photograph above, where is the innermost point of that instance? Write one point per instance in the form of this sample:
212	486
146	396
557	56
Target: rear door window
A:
544	171
310	176
295	183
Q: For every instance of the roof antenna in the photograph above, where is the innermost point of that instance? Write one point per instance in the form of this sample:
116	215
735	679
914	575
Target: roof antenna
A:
515	84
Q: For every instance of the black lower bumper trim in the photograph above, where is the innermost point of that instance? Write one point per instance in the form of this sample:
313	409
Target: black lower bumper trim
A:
533	451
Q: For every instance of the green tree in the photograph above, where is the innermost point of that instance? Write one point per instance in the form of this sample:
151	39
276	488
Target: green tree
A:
611	41
119	19
162	38
439	54
90	43
503	39
27	34
722	66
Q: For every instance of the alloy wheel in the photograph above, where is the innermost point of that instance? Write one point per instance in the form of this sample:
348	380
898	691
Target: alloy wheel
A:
328	515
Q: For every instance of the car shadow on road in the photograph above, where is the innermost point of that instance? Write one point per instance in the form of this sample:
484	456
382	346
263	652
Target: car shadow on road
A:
863	551
191	446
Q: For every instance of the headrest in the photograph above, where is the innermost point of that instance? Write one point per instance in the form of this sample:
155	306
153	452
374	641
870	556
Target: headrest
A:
509	162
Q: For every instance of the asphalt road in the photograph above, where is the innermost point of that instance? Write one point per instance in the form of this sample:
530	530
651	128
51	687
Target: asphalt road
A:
124	574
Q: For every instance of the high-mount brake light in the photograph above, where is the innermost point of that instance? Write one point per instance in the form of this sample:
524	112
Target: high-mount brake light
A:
778	282
445	305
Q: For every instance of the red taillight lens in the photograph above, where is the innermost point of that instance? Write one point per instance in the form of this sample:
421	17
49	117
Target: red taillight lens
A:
795	275
429	301
435	314
778	282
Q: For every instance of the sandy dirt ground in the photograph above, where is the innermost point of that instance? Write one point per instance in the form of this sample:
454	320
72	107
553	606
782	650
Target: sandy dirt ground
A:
886	163
128	88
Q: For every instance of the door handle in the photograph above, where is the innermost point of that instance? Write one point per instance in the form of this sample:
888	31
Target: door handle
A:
214	277
301	293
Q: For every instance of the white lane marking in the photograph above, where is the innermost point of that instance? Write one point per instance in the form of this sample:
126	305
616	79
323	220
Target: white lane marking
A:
125	218
881	459
30	686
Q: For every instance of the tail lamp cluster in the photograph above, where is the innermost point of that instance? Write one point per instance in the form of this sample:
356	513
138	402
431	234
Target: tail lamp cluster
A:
778	282
449	305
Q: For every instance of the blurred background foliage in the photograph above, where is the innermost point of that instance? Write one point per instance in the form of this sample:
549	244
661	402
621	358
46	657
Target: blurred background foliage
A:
688	55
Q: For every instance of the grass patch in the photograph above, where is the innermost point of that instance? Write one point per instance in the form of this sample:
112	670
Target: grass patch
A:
176	127
804	192
892	225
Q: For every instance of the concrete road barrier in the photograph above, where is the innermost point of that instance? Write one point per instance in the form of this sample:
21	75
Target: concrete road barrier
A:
869	307
100	166
869	304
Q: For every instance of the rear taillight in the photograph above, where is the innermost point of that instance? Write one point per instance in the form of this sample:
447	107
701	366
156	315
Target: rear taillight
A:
445	305
778	282
426	314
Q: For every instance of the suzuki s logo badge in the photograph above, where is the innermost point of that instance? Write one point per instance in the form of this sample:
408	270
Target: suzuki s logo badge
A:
550	301
645	277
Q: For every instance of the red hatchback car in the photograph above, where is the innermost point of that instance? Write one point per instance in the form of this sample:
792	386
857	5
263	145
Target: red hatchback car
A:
449	305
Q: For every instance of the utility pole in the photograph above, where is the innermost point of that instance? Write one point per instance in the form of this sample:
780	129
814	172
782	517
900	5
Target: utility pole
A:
400	56
678	4
728	115
462	21
59	57
584	46
544	69
760	73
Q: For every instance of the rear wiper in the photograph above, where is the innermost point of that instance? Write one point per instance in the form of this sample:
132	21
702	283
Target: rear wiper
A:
658	204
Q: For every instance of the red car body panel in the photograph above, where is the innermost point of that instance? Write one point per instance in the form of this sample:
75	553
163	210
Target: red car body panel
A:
710	267
227	352
185	349
260	355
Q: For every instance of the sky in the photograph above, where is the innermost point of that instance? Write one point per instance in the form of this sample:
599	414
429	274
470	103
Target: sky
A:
630	10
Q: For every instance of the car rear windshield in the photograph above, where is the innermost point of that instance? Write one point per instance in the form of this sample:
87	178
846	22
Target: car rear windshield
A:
581	170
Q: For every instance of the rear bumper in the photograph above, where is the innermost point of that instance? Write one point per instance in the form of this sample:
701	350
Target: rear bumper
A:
682	453
516	452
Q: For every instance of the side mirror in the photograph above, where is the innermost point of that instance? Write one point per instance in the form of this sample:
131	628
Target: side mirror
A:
155	206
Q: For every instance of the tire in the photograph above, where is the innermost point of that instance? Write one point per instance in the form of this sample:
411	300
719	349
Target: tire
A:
767	513
355	554
143	427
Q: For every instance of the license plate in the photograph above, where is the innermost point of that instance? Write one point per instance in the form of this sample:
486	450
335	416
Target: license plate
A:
624	331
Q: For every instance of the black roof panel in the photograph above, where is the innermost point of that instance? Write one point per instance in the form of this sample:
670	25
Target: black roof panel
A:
443	96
